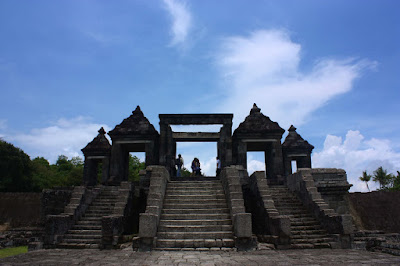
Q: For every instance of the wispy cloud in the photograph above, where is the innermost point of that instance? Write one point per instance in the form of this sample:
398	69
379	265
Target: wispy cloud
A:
3	124
264	67
181	20
65	136
355	155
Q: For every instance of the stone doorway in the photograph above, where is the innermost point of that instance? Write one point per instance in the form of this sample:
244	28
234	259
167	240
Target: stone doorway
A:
169	138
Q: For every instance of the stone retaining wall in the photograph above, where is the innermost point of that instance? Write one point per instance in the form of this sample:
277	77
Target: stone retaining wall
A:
20	209
377	210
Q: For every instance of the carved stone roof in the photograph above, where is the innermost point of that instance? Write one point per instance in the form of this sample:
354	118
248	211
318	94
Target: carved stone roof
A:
99	145
295	141
258	123
135	125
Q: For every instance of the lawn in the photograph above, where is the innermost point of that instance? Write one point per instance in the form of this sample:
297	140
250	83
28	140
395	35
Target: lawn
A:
7	252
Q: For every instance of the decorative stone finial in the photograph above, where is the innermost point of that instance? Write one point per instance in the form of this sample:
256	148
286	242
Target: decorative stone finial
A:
255	109
102	131
137	110
292	128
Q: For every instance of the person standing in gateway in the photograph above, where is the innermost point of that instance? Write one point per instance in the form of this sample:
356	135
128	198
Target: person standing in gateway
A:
179	163
218	166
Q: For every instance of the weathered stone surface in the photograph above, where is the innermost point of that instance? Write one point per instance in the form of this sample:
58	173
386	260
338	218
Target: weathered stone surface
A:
98	146
136	124
377	210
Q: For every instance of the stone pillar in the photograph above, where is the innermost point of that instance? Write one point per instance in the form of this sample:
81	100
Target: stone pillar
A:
287	163
125	165
163	143
151	153
275	175
241	155
117	169
167	154
225	145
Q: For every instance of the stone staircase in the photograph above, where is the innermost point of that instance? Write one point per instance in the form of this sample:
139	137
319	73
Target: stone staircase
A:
195	215
86	233
306	230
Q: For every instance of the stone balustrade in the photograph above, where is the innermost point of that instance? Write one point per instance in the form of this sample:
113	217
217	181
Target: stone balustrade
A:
302	183
148	221
266	217
242	226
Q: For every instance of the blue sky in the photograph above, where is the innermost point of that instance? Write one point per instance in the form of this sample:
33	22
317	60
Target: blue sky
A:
331	68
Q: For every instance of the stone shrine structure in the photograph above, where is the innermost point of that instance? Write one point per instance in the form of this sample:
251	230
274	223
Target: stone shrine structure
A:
306	209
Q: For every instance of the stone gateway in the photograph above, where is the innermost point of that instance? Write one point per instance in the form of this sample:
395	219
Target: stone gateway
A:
305	209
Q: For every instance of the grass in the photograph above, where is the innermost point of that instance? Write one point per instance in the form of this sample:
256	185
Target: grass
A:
7	252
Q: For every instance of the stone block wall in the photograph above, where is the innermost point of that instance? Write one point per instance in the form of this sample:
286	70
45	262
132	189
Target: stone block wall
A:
20	209
53	201
377	210
333	186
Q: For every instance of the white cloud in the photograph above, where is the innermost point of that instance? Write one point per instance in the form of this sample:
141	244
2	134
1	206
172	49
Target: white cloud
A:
181	20
355	155
3	124
264	68
65	136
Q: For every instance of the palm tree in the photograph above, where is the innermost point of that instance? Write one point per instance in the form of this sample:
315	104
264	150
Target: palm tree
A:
365	178
381	176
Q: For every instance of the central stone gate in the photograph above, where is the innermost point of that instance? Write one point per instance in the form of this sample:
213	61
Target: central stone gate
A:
168	138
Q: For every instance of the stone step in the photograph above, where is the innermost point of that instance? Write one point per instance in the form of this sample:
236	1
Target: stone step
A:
311	240
312	231
195	235
101	207
195	187
196	205
193	193
289	205
195	222
82	241
196	211
301	222
298	215
195	243
90	237
195	228
194	183
310	246
85	231
185	200
285	211
89	222
93	217
206	216
194	197
86	227
78	246
305	236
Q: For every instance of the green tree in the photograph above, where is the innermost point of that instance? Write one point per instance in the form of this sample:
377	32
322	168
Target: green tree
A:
396	182
135	165
43	175
15	169
384	179
365	178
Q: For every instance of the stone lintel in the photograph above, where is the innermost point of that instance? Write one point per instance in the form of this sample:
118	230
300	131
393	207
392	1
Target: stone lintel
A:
196	119
97	157
259	140
298	155
196	136
132	141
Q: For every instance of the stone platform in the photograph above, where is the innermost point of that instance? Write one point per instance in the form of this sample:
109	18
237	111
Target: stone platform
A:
261	257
